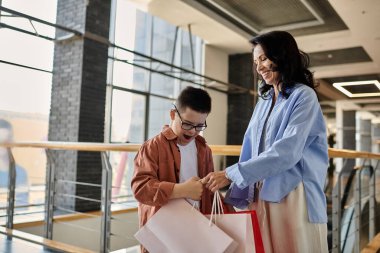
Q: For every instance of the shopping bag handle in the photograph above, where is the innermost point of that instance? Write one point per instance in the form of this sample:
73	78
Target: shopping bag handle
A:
217	207
195	205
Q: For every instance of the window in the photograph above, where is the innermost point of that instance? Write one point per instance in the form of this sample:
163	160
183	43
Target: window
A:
144	89
25	72
128	115
159	114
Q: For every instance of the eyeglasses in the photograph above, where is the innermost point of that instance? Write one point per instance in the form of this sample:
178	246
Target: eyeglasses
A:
188	126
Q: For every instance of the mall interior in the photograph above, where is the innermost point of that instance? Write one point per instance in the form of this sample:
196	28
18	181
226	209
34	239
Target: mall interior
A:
86	82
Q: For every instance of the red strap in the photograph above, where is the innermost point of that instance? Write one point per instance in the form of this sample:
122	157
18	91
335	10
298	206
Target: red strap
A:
256	231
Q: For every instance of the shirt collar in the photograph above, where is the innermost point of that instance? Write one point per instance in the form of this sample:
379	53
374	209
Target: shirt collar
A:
168	133
281	94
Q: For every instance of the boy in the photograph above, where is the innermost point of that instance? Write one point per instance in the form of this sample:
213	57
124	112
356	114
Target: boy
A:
170	165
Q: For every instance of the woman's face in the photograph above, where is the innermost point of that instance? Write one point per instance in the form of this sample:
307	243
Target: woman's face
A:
264	66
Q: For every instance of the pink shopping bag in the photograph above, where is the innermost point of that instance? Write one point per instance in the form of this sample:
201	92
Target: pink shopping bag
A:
179	228
243	227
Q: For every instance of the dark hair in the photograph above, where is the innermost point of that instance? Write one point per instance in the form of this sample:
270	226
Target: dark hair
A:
194	98
292	64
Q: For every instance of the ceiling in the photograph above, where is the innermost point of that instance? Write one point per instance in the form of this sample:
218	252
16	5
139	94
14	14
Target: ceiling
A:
340	36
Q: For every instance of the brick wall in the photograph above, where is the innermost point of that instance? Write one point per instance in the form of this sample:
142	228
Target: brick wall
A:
78	98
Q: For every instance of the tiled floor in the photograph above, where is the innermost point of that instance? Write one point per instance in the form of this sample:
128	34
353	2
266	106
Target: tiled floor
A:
14	245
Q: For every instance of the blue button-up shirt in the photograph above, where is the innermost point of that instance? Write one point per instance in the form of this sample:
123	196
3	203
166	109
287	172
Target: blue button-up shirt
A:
295	151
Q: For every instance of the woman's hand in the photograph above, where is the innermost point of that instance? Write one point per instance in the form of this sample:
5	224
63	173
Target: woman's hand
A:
215	180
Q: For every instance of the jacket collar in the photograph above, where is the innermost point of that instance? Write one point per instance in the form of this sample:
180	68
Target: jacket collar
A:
170	135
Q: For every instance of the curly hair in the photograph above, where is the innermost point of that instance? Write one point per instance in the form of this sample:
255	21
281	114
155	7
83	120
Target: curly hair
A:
292	64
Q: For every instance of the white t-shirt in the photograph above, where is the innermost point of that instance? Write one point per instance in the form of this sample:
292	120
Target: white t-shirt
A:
189	164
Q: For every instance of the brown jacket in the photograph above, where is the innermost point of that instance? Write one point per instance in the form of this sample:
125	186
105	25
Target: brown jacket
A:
157	167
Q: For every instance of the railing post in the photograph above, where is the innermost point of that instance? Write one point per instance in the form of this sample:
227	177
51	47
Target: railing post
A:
50	191
358	208
336	214
11	189
106	204
372	203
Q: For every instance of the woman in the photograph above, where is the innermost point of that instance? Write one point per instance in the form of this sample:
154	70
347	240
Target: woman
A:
284	157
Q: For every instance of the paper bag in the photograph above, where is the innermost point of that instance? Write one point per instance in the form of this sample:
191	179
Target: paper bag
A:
243	227
179	228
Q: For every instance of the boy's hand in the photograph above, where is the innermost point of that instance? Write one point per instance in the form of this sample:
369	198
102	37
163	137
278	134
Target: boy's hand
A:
192	189
215	180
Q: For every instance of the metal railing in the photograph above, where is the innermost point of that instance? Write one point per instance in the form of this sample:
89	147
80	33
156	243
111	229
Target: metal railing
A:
354	205
353	217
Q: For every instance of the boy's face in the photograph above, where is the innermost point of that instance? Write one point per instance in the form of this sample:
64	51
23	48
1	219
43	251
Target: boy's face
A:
189	117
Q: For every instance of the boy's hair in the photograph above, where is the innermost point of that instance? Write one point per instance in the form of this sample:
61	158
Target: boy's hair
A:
194	98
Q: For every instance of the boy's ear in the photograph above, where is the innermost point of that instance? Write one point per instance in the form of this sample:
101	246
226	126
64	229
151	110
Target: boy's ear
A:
172	114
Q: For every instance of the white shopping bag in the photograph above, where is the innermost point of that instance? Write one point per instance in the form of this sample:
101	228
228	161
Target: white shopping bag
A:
179	228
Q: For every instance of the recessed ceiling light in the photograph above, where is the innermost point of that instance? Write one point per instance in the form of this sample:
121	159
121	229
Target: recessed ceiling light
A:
341	87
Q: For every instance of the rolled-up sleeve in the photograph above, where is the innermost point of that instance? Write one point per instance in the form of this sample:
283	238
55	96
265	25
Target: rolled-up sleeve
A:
146	186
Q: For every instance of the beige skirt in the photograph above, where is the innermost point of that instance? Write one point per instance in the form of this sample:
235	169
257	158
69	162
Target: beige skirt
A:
285	226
